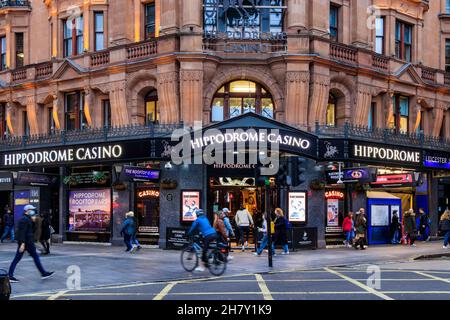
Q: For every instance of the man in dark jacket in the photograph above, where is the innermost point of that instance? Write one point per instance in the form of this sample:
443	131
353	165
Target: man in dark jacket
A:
25	239
9	226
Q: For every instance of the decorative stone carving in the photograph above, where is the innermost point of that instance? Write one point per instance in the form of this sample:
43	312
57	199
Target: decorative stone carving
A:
168	97
191	91
320	88
363	103
297	97
119	111
32	115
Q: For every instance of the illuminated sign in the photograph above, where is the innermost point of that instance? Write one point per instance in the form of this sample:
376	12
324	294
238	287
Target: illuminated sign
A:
149	193
395	179
373	152
364	175
437	160
334	195
140	173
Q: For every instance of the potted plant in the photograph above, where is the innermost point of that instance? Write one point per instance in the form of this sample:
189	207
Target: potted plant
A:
168	184
99	177
71	180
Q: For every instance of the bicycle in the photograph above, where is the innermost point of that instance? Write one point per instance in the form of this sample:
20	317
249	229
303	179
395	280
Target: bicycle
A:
191	257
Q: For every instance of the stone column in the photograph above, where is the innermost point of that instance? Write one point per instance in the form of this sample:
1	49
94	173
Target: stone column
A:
169	111
363	103
297	24
88	105
447	125
119	111
191	91
32	115
191	29
360	32
320	90
297	97
169	16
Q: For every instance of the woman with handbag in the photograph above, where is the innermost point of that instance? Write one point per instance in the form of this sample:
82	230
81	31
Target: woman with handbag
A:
410	227
444	225
361	228
45	234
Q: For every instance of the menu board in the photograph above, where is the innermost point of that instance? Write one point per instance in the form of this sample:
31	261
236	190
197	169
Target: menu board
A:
297	207
190	202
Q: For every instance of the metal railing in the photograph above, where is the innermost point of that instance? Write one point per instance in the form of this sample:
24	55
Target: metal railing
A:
106	134
14	3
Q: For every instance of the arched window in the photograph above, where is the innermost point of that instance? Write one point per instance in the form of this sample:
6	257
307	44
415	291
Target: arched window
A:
151	107
239	97
331	111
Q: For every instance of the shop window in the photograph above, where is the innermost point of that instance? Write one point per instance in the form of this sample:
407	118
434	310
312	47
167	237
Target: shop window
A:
73	36
3	65
150	21
240	97
106	108
244	16
403	40
99	28
74	104
401	113
380	35
331	111
334	23
20	54
151	108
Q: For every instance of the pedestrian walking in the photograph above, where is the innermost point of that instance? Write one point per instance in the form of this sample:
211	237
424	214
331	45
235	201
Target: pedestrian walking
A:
348	227
410	227
280	235
395	228
444	225
37	228
9	226
219	226
265	238
134	240
424	225
360	228
229	228
244	221
128	229
45	234
25	238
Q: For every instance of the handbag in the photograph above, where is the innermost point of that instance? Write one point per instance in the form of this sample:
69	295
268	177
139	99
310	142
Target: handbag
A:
52	230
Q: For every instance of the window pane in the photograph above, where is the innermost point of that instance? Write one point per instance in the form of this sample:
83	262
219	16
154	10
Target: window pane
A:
79	25
80	45
150	111
398	31
235	107
404	106
68	29
99	41
217	110
407	52
68	47
331	115
408	34
267	108
404	124
221	90
249	105
99	22
333	16
242	87
379	45
379	24
3	45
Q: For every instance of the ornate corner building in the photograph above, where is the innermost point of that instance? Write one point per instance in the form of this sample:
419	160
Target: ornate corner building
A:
96	72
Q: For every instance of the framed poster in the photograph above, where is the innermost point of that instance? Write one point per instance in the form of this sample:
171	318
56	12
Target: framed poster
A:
90	210
297	206
379	216
333	212
190	202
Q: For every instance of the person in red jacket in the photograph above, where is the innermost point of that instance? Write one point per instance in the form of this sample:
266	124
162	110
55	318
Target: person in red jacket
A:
348	227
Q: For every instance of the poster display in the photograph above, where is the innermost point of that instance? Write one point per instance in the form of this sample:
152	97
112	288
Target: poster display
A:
297	207
90	210
21	199
333	212
190	202
380	216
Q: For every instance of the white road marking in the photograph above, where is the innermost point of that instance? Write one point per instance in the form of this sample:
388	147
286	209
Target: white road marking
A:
165	291
433	277
264	289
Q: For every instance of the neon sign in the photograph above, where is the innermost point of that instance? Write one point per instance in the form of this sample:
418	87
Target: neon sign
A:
334	195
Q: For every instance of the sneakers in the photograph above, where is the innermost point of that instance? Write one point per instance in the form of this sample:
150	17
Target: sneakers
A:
13	280
285	253
445	247
243	248
256	254
134	249
47	275
413	245
199	269
230	257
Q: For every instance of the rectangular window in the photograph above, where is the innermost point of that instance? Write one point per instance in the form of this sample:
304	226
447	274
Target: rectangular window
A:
26	125
403	41
3	53
150	18
106	105
51	121
334	23
401	113
20	54
73	36
447	55
74	103
379	37
99	27
372	116
447	6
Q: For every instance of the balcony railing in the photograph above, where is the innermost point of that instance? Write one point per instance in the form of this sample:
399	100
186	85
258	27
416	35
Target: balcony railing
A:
14	3
380	62
428	74
100	58
142	50
19	75
44	70
105	134
343	53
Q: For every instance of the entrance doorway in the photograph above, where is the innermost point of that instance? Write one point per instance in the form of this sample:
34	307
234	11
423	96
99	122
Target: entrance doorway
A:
147	214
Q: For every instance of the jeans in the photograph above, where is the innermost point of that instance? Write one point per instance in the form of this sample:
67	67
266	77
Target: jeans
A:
8	231
348	236
244	230
284	246
46	245
264	242
135	241
396	238
127	240
411	238
447	238
206	241
30	247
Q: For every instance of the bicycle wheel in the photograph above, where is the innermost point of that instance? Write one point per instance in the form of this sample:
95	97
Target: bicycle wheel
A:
217	263
189	259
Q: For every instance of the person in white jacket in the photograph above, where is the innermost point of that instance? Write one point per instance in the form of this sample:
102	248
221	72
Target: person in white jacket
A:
244	221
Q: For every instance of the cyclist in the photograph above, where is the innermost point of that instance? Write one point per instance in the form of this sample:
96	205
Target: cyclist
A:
208	232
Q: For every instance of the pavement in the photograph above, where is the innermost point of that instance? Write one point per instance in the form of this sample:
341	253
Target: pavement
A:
99	272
